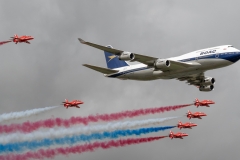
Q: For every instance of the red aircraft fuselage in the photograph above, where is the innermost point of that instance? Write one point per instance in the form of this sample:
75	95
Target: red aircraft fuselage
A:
186	125
177	135
195	115
21	39
73	103
203	103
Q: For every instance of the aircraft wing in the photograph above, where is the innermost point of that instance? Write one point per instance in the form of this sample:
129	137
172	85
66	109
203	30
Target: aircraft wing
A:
194	79
148	60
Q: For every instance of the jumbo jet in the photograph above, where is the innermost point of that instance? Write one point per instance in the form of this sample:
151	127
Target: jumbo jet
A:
189	67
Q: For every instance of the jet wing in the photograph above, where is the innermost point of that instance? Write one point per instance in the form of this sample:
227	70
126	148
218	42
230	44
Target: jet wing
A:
148	60
194	79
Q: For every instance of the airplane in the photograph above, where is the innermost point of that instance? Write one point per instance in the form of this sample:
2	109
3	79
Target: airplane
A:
203	103
186	125
177	135
189	67
73	103
195	115
21	39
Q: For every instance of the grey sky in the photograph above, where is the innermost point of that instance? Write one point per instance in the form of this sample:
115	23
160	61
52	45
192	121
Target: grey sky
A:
50	69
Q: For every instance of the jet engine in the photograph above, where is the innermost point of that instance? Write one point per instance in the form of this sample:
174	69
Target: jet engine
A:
208	81
161	64
206	88
126	56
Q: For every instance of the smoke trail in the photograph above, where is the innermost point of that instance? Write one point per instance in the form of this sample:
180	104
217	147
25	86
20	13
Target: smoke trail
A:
4	42
27	127
56	133
90	147
21	114
21	146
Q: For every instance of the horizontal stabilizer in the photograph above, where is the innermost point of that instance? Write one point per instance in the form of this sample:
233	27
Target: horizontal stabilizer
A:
100	69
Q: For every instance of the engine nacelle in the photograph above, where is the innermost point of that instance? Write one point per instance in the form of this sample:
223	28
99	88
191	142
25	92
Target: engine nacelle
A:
162	63
206	88
208	81
126	56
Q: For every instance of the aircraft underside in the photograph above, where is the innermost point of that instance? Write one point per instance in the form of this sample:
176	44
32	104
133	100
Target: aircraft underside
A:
146	74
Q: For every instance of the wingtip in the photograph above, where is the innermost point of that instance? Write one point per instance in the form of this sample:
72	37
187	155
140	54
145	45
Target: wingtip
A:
81	40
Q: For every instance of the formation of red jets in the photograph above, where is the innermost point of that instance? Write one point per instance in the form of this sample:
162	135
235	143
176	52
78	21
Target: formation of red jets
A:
190	115
180	125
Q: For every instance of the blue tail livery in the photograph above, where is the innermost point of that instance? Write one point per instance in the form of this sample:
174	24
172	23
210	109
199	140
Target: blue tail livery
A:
113	61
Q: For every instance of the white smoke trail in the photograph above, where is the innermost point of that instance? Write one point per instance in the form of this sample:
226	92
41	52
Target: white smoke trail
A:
21	114
61	132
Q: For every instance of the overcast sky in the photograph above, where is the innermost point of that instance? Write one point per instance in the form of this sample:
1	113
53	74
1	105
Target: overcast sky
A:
50	69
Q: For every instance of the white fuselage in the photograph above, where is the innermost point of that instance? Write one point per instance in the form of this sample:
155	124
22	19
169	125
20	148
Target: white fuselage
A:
210	58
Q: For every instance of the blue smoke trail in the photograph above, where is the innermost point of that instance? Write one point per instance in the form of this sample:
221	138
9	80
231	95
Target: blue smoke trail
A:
21	146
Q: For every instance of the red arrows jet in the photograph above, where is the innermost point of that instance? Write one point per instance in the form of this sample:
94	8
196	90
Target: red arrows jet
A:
203	102
74	103
186	125
177	135
195	115
21	39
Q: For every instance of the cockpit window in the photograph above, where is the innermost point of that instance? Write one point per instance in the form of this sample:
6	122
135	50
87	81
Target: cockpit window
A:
230	46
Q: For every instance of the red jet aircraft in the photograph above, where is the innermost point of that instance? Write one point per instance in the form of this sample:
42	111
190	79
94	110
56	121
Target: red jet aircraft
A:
203	102
195	115
21	39
186	125
74	103
177	135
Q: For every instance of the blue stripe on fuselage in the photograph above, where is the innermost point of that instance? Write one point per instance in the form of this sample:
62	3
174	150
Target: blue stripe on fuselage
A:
230	56
127	71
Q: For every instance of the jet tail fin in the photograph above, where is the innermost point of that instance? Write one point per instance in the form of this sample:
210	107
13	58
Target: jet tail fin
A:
113	61
101	69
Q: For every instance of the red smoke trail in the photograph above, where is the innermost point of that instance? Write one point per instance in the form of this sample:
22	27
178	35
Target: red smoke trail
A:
3	42
27	127
50	153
